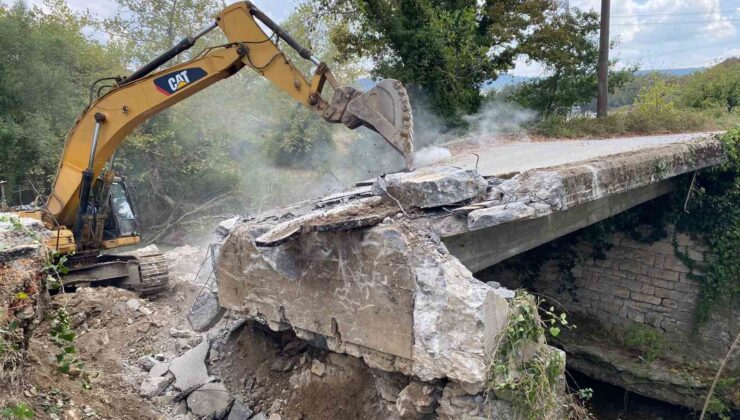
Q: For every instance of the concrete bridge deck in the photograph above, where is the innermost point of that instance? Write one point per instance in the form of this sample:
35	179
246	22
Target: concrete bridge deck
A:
384	271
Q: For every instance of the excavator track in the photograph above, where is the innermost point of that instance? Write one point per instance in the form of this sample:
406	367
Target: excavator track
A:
154	274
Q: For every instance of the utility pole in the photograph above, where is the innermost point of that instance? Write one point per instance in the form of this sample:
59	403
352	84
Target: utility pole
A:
603	76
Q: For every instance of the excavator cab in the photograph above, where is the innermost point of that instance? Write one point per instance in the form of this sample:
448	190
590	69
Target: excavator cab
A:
123	219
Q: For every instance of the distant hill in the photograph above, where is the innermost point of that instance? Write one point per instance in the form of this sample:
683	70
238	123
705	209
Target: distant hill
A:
672	72
505	80
511	79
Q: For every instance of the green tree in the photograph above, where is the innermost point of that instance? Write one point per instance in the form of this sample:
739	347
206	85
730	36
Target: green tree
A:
716	86
448	48
568	49
46	70
144	29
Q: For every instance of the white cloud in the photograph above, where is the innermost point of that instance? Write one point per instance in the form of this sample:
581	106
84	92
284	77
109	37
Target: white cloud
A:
704	31
668	33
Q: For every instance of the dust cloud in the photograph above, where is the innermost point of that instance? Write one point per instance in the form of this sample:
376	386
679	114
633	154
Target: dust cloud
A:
242	111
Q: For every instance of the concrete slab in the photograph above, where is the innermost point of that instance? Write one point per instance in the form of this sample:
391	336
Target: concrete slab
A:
499	157
398	290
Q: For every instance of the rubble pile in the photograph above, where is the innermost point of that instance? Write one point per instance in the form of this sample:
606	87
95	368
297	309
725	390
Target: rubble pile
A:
23	258
361	273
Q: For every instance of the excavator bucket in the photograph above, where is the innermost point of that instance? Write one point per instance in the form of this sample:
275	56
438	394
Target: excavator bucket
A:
386	109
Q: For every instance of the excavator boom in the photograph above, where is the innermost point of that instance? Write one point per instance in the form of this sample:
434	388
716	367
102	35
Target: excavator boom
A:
106	121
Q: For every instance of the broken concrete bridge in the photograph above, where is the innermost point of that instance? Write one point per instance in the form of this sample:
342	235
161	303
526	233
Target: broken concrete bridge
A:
385	271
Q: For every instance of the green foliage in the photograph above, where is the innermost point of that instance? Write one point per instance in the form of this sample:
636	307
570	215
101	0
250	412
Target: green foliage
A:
523	371
298	139
449	49
46	69
717	86
142	30
568	48
656	103
625	122
62	335
648	341
17	411
714	216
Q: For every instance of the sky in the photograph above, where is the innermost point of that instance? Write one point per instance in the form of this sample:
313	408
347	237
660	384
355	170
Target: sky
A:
654	34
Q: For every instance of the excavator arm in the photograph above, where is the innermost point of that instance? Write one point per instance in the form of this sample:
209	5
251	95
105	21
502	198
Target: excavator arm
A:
108	120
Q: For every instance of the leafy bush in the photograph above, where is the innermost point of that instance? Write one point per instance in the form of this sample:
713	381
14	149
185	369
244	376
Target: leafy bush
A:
718	86
298	139
647	341
17	411
714	216
625	122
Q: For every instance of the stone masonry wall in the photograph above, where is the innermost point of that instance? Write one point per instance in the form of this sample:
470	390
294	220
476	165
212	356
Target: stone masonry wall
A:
641	283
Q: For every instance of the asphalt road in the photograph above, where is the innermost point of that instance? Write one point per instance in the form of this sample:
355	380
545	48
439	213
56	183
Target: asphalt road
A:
503	157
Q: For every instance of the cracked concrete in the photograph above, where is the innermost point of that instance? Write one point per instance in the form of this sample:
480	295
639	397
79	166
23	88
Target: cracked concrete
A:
384	273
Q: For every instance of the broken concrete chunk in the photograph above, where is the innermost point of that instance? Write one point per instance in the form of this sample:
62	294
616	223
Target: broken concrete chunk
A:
190	368
225	227
431	187
355	214
151	387
211	401
133	304
147	363
417	399
159	369
388	385
496	215
389	296
175	333
239	411
318	368
205	313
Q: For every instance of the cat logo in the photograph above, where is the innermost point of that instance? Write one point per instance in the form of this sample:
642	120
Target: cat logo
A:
173	82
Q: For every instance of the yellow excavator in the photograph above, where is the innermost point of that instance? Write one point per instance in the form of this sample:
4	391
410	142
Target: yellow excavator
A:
90	208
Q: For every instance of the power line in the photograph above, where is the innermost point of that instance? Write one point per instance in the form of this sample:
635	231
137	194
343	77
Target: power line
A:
699	47
681	13
686	36
677	22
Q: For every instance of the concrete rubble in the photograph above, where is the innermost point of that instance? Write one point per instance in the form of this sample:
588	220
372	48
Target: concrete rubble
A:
211	401
205	312
190	369
371	271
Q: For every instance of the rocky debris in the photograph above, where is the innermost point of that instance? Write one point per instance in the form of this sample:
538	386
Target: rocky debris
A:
146	363
23	299
159	369
355	214
133	304
318	368
431	187
154	386
190	369
205	312
434	320
239	411
417	399
177	333
184	262
224	228
455	403
210	401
